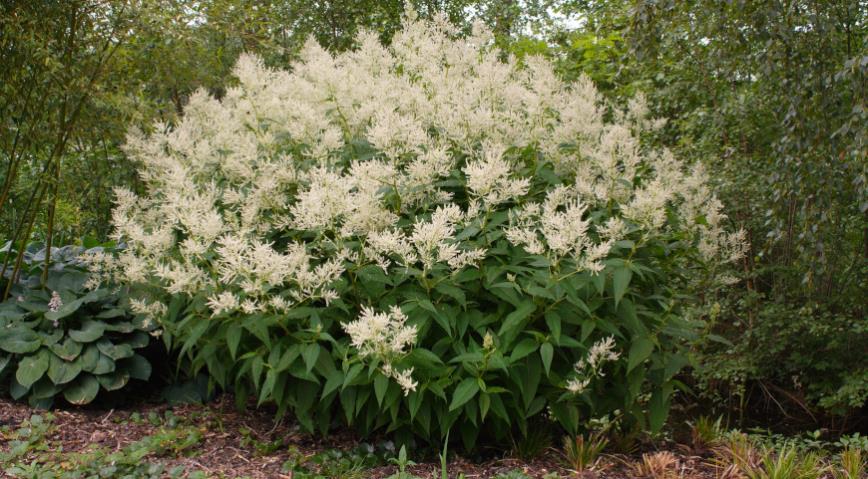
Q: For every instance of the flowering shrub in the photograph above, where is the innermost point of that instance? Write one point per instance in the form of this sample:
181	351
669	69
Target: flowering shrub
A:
418	238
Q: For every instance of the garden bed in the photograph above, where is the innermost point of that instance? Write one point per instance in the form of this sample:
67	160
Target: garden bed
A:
216	440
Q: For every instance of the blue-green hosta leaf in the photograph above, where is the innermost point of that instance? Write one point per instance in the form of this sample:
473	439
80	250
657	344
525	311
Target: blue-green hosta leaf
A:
138	367
65	310
32	367
44	389
19	340
81	391
103	365
114	381
90	331
120	327
61	371
139	339
114	351
4	361
17	391
89	358
69	349
51	338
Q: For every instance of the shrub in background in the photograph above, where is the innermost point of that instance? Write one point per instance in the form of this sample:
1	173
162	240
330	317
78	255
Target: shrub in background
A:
62	339
418	238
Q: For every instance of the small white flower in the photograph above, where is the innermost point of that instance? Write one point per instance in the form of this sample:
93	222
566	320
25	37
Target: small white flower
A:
55	302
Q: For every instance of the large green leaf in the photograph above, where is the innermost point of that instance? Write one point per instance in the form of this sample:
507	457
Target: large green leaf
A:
464	392
83	390
19	340
89	358
61	371
114	351
104	365
114	381
65	310
32	367
137	366
90	331
68	350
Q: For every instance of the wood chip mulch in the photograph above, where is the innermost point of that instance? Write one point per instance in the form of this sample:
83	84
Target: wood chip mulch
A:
226	448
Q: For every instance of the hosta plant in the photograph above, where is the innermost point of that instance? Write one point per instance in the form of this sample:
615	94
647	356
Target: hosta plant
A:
62	339
419	238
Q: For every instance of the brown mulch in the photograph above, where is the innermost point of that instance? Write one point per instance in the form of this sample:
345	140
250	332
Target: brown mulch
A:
226	449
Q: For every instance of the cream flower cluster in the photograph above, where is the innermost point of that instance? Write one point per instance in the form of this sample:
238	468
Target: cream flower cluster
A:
591	366
384	337
388	155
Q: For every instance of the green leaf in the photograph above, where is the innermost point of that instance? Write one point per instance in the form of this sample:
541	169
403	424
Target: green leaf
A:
32	367
513	320
114	381
82	391
89	358
641	348
137	366
620	281
546	352
68	350
233	339
522	349
90	331
310	353
114	351
61	371
4	361
19	340
464	392
65	310
103	365
381	384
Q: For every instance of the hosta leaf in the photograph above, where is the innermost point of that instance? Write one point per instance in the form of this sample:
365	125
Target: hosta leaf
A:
44	389
90	331
114	381
104	365
111	313
137	366
139	339
61	371
82	391
68	349
32	367
4	361
89	358
17	391
114	351
19	340
64	311
120	327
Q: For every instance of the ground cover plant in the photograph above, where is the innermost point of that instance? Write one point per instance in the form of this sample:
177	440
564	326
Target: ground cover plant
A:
421	238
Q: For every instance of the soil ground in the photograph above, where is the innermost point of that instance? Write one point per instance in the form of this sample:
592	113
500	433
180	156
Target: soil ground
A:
231	444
